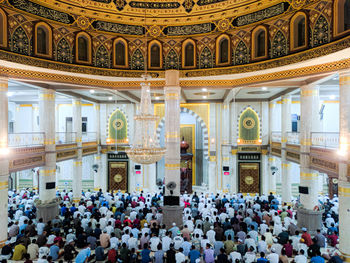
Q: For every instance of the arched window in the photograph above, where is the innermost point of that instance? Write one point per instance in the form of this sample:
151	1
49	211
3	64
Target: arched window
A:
259	43
223	53
155	54
120	57
83	48
298	31
341	16
3	29
43	40
189	50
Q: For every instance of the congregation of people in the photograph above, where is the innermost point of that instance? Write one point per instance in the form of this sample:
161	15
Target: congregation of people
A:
128	227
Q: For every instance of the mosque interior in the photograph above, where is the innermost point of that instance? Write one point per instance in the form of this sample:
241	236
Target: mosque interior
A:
246	97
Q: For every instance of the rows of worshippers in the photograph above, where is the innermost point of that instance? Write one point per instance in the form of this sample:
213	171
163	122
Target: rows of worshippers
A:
117	227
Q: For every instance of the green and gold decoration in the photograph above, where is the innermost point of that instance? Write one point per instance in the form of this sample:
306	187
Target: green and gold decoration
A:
118	132
249	127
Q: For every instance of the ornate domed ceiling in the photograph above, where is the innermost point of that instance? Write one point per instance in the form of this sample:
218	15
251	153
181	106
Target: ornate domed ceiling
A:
159	12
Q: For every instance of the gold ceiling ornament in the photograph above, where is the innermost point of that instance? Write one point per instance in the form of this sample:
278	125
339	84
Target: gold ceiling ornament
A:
154	31
249	180
223	25
145	148
297	4
82	22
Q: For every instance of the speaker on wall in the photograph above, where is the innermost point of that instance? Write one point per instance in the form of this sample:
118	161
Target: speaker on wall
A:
51	185
137	167
303	190
226	168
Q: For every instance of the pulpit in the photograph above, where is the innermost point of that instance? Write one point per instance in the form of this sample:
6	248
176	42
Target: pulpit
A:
186	168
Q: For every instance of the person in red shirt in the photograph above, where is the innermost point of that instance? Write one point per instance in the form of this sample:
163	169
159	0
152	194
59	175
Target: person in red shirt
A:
333	238
306	236
288	248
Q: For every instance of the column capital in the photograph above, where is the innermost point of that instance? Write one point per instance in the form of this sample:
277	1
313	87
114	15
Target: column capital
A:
4	80
172	78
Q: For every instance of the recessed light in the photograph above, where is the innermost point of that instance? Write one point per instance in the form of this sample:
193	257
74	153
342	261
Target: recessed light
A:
92	91
110	98
157	98
204	89
332	97
263	88
10	94
204	97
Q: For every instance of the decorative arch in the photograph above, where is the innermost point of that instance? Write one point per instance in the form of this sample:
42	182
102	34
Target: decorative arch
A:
102	59
186	45
137	60
172	60
20	42
118	120
259	51
155	48
3	26
223	50
203	126
43	40
120	55
241	55
320	32
341	17
296	25
249	126
85	40
279	45
63	51
206	58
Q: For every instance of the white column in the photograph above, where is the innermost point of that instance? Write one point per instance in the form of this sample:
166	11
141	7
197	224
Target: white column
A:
77	163
172	211
344	185
234	181
172	130
226	147
264	172
272	175
97	157
286	127
309	121
4	163
47	125
212	174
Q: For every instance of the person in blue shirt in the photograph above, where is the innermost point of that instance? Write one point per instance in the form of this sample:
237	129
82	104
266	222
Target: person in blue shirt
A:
73	208
63	210
194	254
83	255
317	258
145	258
54	251
262	258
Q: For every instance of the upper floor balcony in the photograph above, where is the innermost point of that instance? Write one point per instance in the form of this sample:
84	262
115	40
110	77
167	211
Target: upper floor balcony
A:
318	139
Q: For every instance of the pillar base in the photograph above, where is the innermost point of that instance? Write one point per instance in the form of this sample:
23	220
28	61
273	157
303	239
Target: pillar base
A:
310	219
47	211
172	214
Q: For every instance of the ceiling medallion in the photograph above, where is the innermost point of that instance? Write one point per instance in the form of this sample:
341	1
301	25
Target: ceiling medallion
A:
188	5
223	25
120	4
154	31
82	22
297	4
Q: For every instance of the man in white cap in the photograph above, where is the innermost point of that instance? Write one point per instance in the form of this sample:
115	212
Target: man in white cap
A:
211	235
329	221
273	257
174	230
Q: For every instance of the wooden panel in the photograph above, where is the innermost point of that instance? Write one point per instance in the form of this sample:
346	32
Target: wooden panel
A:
249	177
118	176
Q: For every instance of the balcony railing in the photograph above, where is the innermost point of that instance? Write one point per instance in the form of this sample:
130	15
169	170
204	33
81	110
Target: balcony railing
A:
26	139
89	137
276	136
66	137
293	137
325	139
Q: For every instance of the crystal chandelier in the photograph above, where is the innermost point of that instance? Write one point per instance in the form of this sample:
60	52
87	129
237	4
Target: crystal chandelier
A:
146	148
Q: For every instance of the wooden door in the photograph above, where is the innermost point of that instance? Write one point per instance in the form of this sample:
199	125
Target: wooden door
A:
249	177
118	176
